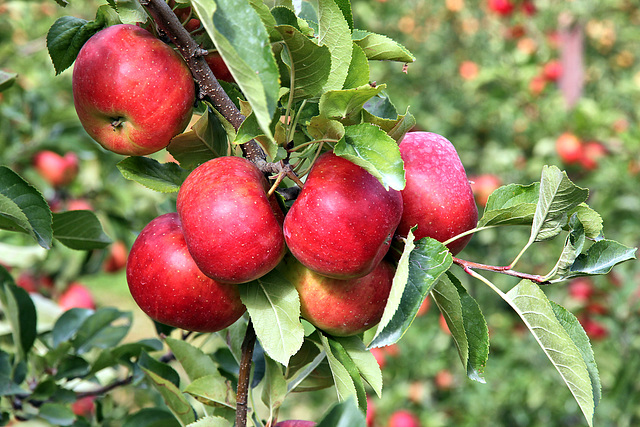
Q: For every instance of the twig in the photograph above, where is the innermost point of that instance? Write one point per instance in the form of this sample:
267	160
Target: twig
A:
470	265
244	375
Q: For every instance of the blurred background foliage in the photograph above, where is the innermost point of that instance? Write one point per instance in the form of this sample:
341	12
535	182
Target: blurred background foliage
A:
482	79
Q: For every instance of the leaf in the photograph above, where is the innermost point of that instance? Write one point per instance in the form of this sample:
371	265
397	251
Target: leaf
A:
308	63
274	306
344	358
242	40
211	421
420	266
532	305
97	331
267	18
322	128
364	360
600	258
23	208
344	414
161	177
68	324
358	73
513	204
579	337
131	12
21	313
342	378
151	417
381	106
379	47
79	230
572	248
558	196
213	390
194	361
334	32
346	104
57	414
7	80
446	296
370	148
395	128
67	36
215	131
275	386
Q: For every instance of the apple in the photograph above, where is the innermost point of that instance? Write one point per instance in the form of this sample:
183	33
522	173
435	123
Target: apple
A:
132	92
592	152
443	324
57	170
76	295
468	70
552	70
295	423
380	356
32	282
233	229
437	197
168	286
79	205
117	257
371	412
501	7
403	418
85	406
218	67
537	84
424	307
569	148
594	329
444	379
340	307
342	223
528	7
483	185
581	289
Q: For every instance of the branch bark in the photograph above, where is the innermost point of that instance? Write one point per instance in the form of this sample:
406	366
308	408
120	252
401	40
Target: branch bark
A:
242	393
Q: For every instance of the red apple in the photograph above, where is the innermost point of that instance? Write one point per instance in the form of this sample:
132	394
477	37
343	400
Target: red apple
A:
592	152
380	356
483	185
443	324
437	197
424	307
57	170
232	228
117	258
295	423
581	289
594	329
569	148
444	379
371	412
528	7
168	286
537	84
552	70
79	205
403	418
219	68
132	92
501	7
341	307
342	223
76	295
468	70
85	406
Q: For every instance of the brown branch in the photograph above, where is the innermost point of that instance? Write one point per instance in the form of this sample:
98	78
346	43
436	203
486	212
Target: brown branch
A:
106	389
470	265
242	393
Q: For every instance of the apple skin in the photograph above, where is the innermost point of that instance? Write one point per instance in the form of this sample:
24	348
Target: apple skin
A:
76	296
132	92
219	68
483	185
232	228
57	170
437	197
116	259
295	423
569	148
340	307
168	286
403	418
342	223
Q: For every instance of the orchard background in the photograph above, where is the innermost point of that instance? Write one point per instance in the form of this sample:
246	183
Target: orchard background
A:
482	79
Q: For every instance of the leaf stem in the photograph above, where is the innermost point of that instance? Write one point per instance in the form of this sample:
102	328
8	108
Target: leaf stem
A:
469	266
466	233
242	393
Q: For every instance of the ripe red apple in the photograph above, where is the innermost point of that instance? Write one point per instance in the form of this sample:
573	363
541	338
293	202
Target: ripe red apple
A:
232	228
168	286
371	412
295	423
594	329
57	170
342	223
537	84
85	406
592	152
76	295
569	148
380	356
117	258
444	379
552	70
468	70
581	289
437	197
132	92
219	68
403	418
341	307
501	7
79	205
483	185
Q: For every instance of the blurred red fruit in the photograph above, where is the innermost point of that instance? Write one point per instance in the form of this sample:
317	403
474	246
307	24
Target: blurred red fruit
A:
597	308
581	289
501	7
594	329
552	70
537	85
468	70
295	423
403	418
592	152
31	282
569	148
392	350
218	67
117	258
57	170
424	307
85	406
483	185
76	295
380	356
371	412
443	325
528	8
79	205
444	379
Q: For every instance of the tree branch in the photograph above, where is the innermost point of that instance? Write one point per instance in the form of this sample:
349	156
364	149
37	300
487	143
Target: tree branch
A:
470	265
242	393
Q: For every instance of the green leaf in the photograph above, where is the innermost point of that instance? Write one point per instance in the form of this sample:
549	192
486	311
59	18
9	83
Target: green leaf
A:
446	296
71	367
344	414
532	305
381	106
66	37
322	128
275	386
242	40
334	32
590	219
358	73
579	337
379	47
558	196
57	414
68	325
131	12
80	230
512	204
7	80
211	421
308	63
213	390
344	358
274	306
342	378
161	177
20	311
347	104
151	417
364	360
572	248
395	128
600	258
23	208
97	331
370	148
194	361
420	266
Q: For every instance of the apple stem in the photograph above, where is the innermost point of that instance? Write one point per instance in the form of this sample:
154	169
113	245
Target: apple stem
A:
468	266
242	393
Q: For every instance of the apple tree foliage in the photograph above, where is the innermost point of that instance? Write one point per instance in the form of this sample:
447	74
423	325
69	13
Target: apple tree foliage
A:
301	71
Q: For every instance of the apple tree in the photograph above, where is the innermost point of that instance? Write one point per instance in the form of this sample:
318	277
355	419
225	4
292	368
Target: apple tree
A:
304	222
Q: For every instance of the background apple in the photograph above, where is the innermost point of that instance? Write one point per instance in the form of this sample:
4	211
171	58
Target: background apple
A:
76	295
132	92
569	148
116	259
232	228
437	197
57	170
167	285
483	185
219	68
342	222
295	423
403	418
341	307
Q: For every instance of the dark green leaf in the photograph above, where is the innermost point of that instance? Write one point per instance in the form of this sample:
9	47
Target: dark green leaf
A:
420	266
23	208
372	149
79	230
151	417
358	74
57	414
446	296
97	331
334	32
339	352
572	248
68	324
7	385
600	258
6	80
213	390
344	414
72	367
379	47
284	16
345	7
162	177
20	311
66	37
267	17
382	107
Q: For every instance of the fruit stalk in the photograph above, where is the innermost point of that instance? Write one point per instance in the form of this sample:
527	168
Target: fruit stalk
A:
470	265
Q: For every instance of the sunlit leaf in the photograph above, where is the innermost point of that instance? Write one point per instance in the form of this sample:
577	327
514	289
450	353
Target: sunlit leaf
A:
334	32
364	361
212	390
600	258
379	47
162	177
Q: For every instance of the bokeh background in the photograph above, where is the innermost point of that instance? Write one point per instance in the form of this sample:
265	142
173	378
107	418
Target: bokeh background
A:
514	84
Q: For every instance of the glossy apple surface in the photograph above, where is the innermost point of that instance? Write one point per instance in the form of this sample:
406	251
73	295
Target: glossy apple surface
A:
168	286
57	170
232	228
341	307
437	197
342	223
132	92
